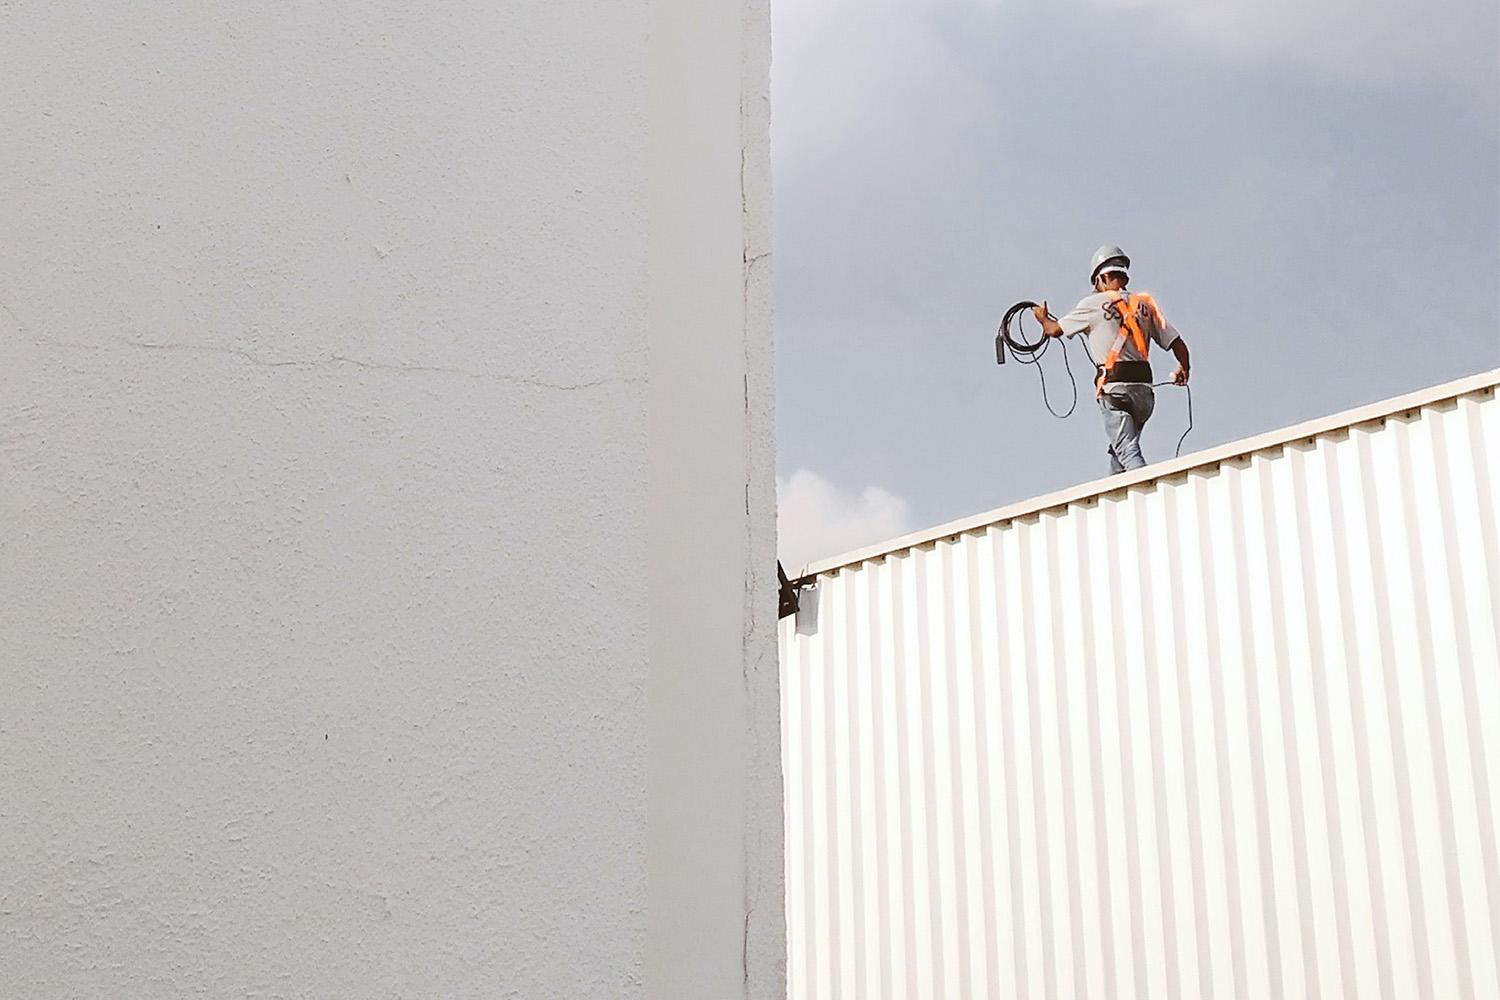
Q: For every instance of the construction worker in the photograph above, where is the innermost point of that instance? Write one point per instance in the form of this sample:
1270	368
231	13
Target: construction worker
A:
1120	327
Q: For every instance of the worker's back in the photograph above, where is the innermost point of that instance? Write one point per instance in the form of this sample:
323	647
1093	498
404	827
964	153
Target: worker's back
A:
1099	316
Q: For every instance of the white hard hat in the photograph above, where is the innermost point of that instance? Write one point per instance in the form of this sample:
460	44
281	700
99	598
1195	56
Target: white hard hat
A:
1108	258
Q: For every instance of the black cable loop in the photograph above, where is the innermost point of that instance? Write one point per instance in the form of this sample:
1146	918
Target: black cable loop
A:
1189	390
1031	354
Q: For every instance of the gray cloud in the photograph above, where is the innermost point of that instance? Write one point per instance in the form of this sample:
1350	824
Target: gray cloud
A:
1372	40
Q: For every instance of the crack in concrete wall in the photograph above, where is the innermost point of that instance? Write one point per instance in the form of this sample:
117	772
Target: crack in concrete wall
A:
336	360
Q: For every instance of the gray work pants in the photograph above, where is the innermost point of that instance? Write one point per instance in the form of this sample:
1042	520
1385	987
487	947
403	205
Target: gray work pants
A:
1126	409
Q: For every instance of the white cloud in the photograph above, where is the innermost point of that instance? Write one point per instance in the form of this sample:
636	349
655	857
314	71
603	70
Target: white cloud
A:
815	519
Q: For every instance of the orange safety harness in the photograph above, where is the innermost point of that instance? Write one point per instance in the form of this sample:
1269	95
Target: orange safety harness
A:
1130	309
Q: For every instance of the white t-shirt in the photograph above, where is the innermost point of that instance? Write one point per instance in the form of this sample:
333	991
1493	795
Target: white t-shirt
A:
1099	317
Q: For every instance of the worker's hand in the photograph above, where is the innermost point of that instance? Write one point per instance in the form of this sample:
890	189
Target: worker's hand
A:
1180	376
1049	325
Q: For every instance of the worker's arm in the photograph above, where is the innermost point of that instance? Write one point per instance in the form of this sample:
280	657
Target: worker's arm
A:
1180	376
1049	325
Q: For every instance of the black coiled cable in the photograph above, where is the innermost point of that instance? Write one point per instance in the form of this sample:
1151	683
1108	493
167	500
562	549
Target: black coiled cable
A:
1031	354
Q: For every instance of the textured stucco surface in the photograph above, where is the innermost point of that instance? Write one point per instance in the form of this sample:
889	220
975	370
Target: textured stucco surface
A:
714	860
325	494
765	891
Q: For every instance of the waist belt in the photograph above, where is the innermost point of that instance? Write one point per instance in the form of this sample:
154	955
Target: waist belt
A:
1129	371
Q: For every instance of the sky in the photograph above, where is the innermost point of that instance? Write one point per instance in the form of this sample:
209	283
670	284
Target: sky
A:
1309	188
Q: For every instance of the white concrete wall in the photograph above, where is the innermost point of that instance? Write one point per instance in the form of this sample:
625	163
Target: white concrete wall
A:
358	570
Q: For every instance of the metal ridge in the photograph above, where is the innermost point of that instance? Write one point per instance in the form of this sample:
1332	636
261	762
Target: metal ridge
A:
1215	456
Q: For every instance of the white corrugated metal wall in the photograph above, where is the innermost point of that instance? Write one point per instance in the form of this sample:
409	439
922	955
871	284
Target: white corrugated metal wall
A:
1273	775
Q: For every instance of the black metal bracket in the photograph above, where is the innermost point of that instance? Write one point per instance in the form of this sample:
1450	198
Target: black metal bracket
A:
789	593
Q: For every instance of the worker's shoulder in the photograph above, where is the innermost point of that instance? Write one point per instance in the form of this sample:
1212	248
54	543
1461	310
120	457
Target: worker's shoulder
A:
1136	295
1094	300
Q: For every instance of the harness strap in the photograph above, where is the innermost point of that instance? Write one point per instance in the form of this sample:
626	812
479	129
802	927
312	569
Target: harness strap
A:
1129	324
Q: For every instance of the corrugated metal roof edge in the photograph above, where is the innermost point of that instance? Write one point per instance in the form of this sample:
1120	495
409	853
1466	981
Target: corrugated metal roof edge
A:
1162	470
